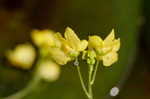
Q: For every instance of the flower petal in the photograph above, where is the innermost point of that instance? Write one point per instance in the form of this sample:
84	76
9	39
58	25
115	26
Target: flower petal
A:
72	38
58	56
110	58
110	37
45	38
110	43
116	45
83	45
95	42
64	44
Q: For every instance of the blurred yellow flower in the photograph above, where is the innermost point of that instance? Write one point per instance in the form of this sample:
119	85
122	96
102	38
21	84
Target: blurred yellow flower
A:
22	56
49	43
106	49
44	38
48	70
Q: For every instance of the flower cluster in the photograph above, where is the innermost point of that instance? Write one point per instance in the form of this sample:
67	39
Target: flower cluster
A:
105	50
55	49
59	50
63	49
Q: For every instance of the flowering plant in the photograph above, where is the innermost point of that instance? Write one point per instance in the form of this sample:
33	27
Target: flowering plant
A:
55	50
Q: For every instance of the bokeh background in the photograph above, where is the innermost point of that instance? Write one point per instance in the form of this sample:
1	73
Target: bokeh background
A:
131	20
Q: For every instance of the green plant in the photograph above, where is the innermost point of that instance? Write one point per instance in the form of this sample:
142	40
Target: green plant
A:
55	50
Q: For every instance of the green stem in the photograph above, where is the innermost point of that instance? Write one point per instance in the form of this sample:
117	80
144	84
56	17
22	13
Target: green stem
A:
82	82
95	72
89	82
31	86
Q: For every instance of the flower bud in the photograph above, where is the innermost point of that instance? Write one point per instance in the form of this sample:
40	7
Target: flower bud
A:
48	70
22	56
45	38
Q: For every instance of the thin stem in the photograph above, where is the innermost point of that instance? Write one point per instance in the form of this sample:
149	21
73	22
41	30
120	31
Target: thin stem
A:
31	86
82	82
89	83
95	72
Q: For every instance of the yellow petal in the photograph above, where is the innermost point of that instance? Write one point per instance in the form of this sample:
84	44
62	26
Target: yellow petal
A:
22	56
66	48
110	37
57	40
111	46
110	58
95	42
116	45
65	45
59	36
110	43
107	47
72	38
58	56
83	45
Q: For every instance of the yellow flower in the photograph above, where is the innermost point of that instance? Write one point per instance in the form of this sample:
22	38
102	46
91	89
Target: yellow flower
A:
22	56
50	44
95	43
49	70
110	43
110	58
71	44
106	49
45	38
74	41
60	49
